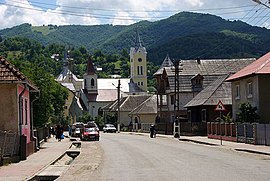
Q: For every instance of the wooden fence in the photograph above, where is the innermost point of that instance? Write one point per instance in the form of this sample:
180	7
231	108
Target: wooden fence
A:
9	144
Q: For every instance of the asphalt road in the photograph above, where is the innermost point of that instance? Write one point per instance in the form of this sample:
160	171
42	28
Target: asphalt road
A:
125	157
135	157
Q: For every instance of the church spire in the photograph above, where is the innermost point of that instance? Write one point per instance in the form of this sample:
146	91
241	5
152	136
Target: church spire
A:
138	42
90	67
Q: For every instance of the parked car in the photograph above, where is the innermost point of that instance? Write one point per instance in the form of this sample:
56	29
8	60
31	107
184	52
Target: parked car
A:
109	128
91	124
77	132
90	134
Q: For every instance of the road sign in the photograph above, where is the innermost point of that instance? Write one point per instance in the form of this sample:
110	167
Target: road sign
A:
220	106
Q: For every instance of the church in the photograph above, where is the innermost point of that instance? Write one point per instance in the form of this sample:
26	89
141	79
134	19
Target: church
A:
91	93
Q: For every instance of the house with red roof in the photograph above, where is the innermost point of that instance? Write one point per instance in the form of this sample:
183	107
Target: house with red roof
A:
15	104
251	85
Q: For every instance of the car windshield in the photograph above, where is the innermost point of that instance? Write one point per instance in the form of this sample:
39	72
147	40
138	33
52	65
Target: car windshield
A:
89	130
109	125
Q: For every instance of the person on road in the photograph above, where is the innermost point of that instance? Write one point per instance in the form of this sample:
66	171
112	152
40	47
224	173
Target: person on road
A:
152	131
59	132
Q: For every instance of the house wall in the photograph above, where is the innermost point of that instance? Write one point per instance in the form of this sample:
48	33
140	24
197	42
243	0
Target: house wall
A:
243	97
124	118
75	111
26	119
9	107
211	114
145	118
68	103
264	98
95	106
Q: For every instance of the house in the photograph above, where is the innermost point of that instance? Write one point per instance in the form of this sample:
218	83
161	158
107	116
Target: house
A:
202	107
251	85
146	112
193	77
126	106
16	105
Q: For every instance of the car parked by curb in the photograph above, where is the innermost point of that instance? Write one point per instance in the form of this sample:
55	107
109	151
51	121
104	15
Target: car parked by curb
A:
109	128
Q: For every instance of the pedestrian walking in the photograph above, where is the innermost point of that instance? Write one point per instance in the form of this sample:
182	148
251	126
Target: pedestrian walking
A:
59	133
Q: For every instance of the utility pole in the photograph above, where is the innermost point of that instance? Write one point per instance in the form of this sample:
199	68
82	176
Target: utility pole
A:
118	106
176	130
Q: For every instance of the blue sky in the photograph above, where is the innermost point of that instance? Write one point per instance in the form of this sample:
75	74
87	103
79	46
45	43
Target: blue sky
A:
119	12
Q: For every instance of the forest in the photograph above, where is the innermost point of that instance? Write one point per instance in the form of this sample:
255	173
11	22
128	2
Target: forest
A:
185	35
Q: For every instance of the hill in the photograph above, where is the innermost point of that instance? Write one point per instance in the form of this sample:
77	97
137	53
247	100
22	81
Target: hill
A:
184	35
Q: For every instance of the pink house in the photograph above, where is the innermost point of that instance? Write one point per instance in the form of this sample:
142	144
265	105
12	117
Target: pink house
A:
15	105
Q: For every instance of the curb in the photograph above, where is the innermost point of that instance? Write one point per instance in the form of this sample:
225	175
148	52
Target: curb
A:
32	177
252	151
199	142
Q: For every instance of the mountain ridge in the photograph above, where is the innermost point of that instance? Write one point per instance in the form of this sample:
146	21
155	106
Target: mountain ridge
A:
182	31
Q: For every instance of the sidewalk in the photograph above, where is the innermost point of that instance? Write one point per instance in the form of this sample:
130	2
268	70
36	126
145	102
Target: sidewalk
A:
258	149
49	151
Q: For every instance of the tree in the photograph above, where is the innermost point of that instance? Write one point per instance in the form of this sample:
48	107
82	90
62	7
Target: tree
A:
247	113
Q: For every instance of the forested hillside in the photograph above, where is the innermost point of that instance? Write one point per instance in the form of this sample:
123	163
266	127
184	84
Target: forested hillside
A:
36	62
185	35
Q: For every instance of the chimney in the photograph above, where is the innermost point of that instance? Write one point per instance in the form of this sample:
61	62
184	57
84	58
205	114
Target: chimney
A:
198	60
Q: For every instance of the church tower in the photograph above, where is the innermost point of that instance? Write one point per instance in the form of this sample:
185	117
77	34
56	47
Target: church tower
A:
138	64
90	79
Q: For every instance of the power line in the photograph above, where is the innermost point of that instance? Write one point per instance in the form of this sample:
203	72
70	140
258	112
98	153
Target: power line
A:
130	10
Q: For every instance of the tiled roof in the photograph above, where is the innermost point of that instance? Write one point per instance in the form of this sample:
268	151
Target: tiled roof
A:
209	69
9	73
128	103
260	66
217	90
149	106
132	102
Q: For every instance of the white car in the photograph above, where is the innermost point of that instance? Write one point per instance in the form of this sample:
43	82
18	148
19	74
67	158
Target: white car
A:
109	128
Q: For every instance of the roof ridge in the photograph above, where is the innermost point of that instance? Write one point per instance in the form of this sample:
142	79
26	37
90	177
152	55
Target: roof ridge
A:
267	61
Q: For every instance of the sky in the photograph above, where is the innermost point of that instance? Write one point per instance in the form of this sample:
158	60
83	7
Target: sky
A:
125	12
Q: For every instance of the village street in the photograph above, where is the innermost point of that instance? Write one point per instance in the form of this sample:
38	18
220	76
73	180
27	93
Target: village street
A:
135	157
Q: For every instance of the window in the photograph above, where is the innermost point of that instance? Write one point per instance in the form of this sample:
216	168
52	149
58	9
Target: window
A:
237	92
203	115
92	82
141	70
172	100
138	70
249	90
189	115
141	83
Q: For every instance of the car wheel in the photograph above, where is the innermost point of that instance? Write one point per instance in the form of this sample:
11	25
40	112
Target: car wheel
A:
97	138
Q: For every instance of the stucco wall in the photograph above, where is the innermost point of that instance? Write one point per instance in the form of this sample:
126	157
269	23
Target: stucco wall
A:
145	118
264	98
244	98
26	117
9	107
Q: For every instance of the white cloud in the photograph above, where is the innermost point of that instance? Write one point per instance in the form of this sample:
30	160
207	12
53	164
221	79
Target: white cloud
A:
90	12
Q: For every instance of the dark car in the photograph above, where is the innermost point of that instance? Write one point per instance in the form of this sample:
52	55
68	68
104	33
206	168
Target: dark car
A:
90	134
109	128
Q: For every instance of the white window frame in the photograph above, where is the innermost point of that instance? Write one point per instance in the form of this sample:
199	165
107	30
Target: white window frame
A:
237	91
249	90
